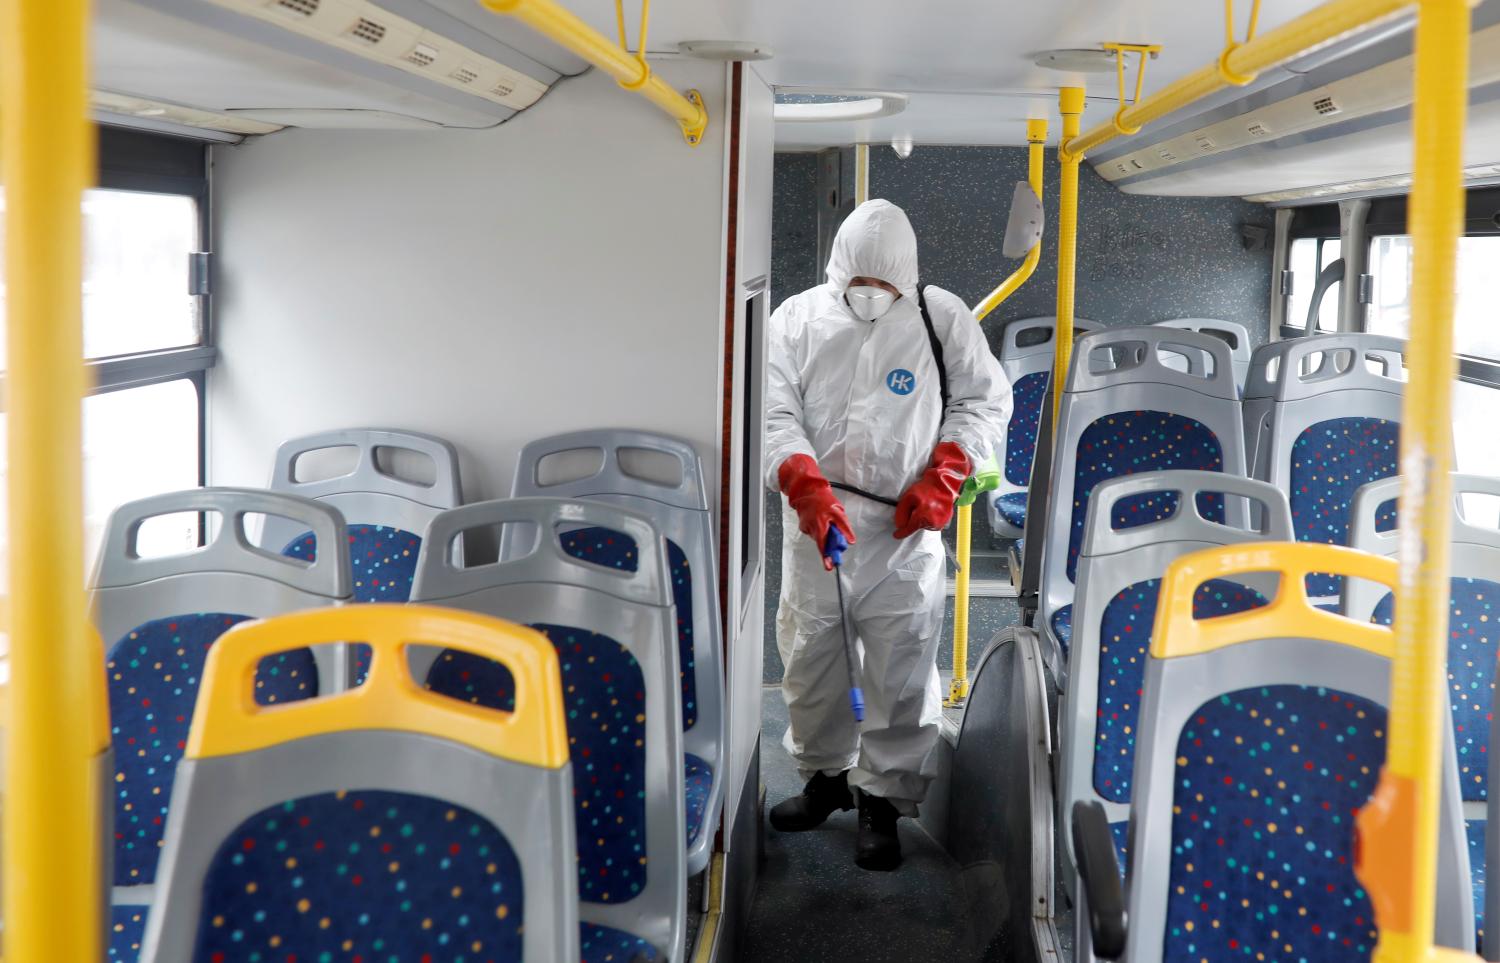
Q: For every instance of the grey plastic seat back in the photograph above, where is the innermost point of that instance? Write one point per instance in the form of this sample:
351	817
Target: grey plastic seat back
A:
157	617
681	513
1373	528
410	795
539	583
1026	355
1119	574
1231	333
369	495
1233	761
1140	415
1334	425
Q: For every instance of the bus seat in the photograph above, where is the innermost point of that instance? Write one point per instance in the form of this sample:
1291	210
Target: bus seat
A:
383	821
1260	734
160	617
680	512
1230	332
387	513
1026	352
1333	425
615	632
1119	574
1134	414
1473	634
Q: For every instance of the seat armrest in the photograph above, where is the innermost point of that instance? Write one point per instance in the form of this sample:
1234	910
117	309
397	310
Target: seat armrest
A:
1099	876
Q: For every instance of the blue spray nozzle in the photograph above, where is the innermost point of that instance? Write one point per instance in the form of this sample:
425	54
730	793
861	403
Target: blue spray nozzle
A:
857	703
835	545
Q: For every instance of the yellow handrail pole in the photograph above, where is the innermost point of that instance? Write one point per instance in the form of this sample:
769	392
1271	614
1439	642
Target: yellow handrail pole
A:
1399	828
1070	103
958	688
53	836
861	173
632	72
1240	63
1036	140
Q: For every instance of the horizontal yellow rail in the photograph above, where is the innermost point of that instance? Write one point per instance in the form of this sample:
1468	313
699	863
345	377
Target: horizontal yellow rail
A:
555	22
1241	63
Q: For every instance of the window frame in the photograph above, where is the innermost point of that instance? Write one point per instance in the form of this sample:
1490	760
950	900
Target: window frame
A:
1387	216
1320	223
149	163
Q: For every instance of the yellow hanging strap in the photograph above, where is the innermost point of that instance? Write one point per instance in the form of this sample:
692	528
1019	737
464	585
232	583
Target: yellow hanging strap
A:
1122	51
53	882
1070	103
987	477
1398	829
640	50
1231	45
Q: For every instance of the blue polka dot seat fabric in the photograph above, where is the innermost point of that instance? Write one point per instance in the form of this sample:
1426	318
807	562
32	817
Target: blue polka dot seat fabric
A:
1474	832
127	928
1120	833
697	781
1330	461
1012	508
1473	648
153	676
604	693
368	875
1027	397
382	559
1130	442
1125	631
1062	626
1262	862
601	944
612	549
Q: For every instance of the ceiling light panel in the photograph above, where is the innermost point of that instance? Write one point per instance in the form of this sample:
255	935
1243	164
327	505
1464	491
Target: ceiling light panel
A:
1383	88
371	32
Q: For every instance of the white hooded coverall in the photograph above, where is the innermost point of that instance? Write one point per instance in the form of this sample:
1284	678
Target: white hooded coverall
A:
863	400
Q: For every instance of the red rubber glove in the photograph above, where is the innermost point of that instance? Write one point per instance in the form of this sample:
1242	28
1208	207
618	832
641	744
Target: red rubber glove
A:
812	498
928	503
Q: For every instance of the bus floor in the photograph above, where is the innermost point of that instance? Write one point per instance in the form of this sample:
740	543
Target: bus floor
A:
813	904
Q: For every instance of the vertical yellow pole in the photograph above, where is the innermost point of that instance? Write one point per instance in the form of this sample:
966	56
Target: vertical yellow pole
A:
1399	828
52	832
861	173
958	689
1070	103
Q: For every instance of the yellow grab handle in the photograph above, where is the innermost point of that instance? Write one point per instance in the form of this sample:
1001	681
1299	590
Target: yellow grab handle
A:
1290	614
228	719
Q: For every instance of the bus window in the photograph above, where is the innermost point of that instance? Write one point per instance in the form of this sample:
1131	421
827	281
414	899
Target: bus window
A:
143	336
1476	398
1308	257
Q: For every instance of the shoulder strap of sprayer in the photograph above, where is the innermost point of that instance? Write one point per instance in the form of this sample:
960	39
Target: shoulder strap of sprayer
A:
937	350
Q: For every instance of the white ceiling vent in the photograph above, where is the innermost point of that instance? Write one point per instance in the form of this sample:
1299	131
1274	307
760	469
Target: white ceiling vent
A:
1204	143
298	8
1326	106
1258	129
363	28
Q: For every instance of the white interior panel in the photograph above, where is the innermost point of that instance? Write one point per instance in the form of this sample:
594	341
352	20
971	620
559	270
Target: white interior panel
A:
488	286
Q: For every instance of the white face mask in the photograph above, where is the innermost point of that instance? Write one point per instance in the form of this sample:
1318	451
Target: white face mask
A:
869	302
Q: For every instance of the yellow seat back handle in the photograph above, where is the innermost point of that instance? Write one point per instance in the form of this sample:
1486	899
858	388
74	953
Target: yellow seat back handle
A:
1291	614
228	720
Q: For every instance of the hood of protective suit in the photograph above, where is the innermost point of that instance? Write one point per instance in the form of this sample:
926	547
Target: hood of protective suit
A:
876	241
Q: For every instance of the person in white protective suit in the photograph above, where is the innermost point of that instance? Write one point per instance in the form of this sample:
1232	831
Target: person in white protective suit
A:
859	438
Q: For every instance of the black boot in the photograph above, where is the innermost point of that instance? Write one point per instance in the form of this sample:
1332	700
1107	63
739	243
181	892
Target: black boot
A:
877	846
820	797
